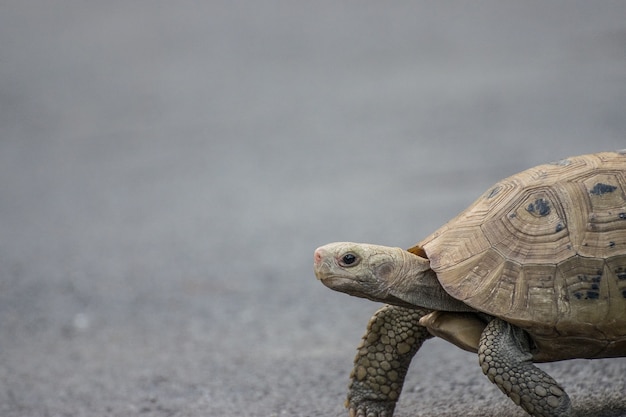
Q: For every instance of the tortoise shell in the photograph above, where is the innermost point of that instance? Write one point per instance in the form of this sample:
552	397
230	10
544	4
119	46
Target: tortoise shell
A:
545	249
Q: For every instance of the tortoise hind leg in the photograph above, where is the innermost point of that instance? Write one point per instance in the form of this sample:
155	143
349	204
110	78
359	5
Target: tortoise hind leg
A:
392	338
504	356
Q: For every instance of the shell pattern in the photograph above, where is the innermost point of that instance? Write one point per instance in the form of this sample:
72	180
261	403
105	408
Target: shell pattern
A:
546	250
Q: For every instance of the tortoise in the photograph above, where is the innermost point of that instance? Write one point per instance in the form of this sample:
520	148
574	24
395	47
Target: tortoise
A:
533	271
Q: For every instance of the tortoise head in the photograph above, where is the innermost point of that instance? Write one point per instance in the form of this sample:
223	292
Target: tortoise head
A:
379	273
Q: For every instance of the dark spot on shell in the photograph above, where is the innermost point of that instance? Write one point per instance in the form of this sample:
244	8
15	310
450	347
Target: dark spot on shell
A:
601	188
559	227
494	192
611	244
624	293
595	278
622	216
621	276
592	295
539	208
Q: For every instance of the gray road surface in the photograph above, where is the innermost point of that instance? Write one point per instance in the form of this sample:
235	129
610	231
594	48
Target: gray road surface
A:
167	168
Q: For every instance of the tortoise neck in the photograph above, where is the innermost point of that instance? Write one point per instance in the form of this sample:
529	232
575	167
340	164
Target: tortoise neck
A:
417	285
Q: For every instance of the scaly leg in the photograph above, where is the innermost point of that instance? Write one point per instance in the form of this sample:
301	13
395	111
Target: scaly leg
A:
504	356
392	338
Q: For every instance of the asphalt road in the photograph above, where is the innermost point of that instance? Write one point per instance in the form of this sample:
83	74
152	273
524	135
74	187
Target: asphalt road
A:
167	169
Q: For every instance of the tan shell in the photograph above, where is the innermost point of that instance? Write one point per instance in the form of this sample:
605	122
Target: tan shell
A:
545	250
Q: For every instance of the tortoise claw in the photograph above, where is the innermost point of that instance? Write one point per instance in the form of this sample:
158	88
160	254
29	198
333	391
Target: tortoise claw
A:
372	409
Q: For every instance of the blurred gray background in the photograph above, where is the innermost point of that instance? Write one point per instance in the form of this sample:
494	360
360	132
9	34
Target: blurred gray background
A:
168	168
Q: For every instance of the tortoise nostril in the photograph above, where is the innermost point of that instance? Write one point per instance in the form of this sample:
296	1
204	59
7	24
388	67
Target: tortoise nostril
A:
317	257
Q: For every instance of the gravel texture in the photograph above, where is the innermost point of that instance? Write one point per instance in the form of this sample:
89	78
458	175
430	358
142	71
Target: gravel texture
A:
168	168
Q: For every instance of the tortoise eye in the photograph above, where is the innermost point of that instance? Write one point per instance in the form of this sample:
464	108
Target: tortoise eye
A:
349	259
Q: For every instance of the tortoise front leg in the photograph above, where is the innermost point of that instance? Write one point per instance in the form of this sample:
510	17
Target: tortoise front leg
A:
504	356
392	338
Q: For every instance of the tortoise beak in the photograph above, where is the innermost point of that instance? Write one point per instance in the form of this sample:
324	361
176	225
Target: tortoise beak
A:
317	257
321	265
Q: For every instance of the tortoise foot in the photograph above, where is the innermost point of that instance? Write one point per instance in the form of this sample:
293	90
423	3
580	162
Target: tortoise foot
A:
505	358
369	408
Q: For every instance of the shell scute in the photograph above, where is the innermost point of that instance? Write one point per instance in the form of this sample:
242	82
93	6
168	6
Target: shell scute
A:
533	226
584	284
601	197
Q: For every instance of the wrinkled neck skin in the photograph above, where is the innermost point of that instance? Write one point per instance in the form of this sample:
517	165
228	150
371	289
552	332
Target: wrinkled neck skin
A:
415	284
